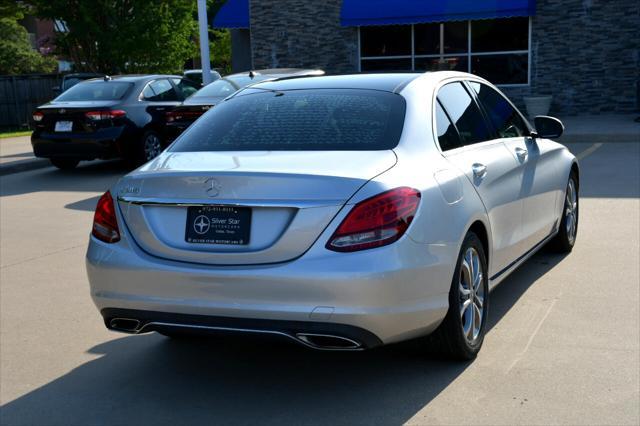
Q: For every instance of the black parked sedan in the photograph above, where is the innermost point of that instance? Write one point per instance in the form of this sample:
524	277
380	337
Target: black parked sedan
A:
186	113
109	117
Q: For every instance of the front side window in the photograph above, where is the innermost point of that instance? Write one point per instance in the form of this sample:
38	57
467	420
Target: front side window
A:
505	119
464	113
160	91
299	120
185	87
496	49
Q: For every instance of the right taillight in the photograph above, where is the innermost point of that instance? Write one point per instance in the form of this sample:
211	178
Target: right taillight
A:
376	221
37	116
105	224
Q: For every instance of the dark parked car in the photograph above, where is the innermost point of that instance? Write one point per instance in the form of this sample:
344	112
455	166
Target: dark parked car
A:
196	76
186	113
106	118
70	80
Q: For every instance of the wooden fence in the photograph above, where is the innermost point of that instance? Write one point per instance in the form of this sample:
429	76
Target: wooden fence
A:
21	94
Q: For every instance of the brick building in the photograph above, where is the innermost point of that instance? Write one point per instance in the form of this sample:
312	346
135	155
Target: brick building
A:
586	53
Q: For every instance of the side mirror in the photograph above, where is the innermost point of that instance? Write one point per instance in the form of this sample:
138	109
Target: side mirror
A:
548	127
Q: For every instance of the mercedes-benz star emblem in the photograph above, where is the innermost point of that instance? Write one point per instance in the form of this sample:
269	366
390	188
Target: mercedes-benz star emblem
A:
201	225
212	187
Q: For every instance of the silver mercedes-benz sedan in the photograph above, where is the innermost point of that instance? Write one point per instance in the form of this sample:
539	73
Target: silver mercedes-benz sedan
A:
342	212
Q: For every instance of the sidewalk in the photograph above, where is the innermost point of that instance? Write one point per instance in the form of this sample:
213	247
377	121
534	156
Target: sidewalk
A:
16	154
601	128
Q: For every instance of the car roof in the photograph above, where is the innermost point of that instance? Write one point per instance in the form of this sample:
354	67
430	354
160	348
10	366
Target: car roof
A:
389	82
139	77
278	72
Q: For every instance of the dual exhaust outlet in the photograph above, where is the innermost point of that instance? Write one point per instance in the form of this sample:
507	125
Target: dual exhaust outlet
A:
311	340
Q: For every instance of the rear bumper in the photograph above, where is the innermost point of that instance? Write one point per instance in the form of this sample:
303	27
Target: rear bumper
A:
395	292
100	144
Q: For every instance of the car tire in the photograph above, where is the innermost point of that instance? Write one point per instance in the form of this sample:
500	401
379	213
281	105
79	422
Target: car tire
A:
151	146
459	334
64	163
565	239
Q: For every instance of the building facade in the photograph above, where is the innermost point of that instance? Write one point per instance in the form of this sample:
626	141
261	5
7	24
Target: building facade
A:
585	53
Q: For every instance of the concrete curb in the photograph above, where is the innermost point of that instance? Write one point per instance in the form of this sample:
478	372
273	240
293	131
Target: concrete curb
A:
23	166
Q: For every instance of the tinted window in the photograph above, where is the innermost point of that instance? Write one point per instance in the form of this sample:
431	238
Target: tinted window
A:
185	87
217	88
447	134
503	116
96	91
495	35
299	120
388	40
464	113
162	91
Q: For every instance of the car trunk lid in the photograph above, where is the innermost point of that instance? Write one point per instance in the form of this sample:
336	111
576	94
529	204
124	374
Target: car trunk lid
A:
290	197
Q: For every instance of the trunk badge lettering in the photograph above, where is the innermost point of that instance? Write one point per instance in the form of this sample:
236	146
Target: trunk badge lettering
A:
212	187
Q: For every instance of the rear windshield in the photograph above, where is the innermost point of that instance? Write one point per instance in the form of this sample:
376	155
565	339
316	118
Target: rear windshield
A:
304	120
96	91
224	87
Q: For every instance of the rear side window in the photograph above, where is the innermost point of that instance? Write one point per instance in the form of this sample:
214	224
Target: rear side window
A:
448	137
464	113
303	120
160	91
96	91
503	116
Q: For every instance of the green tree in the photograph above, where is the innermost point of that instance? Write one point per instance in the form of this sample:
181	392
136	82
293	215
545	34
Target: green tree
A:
16	54
124	36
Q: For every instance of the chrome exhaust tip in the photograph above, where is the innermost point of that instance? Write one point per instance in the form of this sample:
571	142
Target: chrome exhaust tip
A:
128	325
328	342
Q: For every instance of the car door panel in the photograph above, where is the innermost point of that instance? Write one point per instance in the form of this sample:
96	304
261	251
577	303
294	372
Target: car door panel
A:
488	165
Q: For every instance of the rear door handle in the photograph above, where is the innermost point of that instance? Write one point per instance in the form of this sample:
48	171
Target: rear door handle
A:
521	153
479	170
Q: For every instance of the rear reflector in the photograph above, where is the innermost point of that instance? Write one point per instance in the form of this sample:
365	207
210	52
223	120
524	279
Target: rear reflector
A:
37	116
105	115
105	224
376	221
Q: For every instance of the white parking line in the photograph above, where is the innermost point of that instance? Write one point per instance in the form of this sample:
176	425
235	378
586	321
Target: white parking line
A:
588	151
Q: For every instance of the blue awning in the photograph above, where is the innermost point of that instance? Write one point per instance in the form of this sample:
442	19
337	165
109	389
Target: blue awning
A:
233	14
387	12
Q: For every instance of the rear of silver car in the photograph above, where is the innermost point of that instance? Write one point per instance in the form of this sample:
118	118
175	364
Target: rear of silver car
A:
267	242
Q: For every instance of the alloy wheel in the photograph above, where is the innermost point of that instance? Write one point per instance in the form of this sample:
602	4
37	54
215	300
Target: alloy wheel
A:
571	211
152	147
472	292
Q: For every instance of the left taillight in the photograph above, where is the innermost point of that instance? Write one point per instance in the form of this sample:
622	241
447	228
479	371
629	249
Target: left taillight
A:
376	221
105	224
37	116
105	115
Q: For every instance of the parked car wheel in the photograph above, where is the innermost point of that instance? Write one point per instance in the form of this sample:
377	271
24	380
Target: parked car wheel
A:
64	163
151	145
462	332
564	241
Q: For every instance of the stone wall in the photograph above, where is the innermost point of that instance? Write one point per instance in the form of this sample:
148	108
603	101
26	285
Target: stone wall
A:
302	34
586	53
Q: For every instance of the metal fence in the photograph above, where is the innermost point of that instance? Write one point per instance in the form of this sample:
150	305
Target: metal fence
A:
21	94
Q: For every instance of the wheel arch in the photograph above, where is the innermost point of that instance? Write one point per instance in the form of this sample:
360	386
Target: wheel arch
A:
480	229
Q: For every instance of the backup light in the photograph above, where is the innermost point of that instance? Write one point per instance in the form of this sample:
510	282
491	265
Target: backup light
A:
376	221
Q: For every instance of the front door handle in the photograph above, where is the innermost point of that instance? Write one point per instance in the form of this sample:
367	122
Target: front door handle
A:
479	170
521	153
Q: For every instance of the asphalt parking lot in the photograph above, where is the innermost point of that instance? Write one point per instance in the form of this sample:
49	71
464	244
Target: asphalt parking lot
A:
563	345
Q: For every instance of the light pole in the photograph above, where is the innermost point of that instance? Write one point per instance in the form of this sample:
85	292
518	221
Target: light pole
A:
204	41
